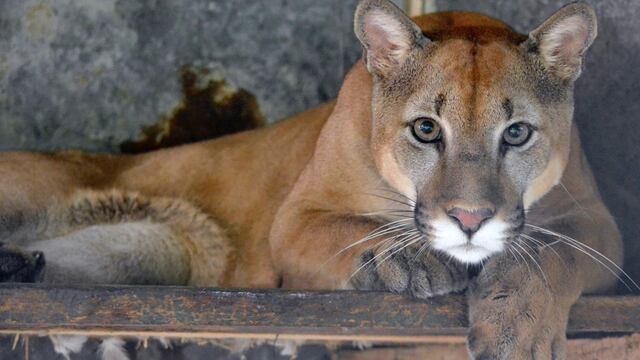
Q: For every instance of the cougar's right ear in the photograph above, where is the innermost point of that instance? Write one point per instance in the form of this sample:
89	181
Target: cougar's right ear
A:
387	35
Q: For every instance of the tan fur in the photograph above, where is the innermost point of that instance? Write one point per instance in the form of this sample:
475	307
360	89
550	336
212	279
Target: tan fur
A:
291	196
546	181
204	241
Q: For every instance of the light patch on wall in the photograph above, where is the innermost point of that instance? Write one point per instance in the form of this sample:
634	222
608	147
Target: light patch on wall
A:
40	21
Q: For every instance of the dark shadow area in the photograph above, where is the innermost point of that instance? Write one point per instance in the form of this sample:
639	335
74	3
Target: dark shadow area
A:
209	109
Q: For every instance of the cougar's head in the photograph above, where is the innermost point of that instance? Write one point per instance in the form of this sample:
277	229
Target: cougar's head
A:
471	119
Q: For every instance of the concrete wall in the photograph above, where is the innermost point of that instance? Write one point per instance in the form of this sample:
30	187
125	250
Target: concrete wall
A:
90	74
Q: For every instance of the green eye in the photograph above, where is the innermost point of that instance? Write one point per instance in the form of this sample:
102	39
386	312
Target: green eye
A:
426	130
517	134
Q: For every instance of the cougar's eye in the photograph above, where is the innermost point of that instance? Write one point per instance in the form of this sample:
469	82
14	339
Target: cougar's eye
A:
517	134
426	130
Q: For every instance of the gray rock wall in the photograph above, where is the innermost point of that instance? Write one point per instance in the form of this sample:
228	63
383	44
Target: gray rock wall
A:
90	74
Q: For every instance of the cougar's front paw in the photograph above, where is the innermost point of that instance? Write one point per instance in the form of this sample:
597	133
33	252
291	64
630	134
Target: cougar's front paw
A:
420	273
18	265
516	320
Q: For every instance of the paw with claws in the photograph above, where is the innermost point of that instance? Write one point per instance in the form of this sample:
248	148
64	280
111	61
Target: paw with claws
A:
422	274
17	265
515	315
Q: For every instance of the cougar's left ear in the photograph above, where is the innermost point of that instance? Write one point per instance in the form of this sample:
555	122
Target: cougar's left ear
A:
563	39
387	35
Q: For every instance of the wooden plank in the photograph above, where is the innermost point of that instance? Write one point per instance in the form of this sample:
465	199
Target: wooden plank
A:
605	314
618	348
192	312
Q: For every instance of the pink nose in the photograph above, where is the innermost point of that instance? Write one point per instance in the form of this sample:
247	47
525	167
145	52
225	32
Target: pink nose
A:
470	221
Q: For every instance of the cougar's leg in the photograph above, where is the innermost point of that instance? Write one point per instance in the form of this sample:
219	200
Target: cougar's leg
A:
124	238
129	253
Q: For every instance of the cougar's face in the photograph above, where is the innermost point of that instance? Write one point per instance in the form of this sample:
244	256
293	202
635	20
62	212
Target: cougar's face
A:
475	135
470	119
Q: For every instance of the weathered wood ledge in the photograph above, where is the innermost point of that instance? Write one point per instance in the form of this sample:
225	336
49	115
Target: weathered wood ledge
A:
215	313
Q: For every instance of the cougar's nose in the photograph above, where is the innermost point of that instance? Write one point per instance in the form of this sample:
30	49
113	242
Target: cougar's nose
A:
470	220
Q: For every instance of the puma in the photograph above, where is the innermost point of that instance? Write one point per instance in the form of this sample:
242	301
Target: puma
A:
451	144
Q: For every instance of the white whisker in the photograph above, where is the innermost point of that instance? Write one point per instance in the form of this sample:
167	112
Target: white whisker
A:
398	237
377	256
391	199
523	247
389	228
385	229
408	243
576	247
522	257
411	201
514	255
421	249
406	237
576	202
393	212
542	246
583	247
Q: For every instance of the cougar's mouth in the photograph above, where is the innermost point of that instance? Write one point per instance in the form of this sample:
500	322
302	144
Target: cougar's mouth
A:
470	249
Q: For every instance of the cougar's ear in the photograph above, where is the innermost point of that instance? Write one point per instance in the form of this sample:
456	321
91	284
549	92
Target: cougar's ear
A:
563	39
387	35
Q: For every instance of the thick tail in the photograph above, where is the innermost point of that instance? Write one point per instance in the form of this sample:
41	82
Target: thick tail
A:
120	237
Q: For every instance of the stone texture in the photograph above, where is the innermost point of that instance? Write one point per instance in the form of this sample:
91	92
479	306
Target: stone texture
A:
90	74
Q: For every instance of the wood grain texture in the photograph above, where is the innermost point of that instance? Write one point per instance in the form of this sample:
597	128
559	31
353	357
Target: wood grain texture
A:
192	312
618	348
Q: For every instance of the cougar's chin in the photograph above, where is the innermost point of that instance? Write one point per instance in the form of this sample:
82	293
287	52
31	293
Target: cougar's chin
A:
490	239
